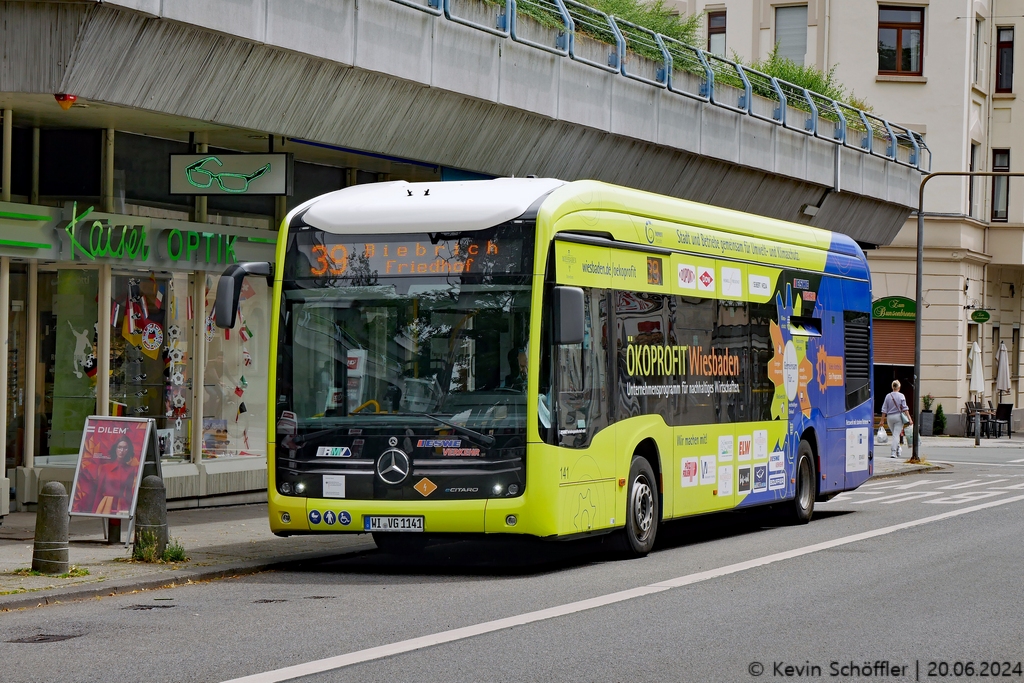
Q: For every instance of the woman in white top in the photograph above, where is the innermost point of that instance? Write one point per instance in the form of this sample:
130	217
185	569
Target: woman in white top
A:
894	408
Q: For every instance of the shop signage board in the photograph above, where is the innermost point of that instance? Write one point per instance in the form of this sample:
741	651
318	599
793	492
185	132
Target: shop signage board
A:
86	238
980	316
231	174
894	308
111	460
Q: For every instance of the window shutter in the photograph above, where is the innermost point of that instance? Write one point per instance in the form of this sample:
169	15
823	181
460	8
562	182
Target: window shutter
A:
791	32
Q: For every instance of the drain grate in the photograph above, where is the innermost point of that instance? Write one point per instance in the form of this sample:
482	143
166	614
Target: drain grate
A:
44	638
148	607
267	601
319	597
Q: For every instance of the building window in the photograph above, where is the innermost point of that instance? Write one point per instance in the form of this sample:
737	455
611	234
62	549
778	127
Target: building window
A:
900	33
716	33
1015	353
1000	184
791	32
977	50
1004	60
995	351
972	166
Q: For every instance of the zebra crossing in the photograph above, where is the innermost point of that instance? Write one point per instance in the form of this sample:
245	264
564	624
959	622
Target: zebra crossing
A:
934	491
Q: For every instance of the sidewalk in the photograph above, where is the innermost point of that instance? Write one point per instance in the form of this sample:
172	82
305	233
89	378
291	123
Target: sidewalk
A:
219	542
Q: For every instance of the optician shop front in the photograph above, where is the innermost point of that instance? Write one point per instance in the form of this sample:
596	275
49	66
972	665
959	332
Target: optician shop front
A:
112	315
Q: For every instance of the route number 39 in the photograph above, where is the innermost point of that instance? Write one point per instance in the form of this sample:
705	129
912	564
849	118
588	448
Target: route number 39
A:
334	261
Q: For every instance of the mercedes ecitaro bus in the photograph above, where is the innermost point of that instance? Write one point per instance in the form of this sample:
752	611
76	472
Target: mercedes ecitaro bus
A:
530	356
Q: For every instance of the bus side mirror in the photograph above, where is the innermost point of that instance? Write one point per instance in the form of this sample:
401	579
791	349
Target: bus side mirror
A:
229	287
568	304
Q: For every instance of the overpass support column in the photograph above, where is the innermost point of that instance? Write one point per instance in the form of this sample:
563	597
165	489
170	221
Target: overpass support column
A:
5	177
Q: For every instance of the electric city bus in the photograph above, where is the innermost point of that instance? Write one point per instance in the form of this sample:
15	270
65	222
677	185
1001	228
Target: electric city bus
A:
530	356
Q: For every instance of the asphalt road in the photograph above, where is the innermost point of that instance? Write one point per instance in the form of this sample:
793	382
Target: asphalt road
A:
913	571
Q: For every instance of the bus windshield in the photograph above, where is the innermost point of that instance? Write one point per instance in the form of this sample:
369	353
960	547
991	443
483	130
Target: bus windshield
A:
366	348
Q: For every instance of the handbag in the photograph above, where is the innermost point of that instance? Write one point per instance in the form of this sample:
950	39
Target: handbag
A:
905	418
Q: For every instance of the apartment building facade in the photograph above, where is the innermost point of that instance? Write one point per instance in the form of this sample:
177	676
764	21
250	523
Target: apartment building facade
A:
946	70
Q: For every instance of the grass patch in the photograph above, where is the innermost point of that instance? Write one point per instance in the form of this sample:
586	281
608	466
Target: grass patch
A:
72	573
145	550
175	552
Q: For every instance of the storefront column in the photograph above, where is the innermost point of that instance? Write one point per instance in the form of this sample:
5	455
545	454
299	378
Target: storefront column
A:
198	362
108	175
34	196
5	307
103	344
32	342
5	176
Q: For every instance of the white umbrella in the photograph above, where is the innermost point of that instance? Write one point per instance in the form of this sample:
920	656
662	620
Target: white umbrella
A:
977	370
1003	370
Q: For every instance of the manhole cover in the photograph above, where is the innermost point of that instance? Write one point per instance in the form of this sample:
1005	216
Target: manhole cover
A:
147	607
268	601
318	597
44	638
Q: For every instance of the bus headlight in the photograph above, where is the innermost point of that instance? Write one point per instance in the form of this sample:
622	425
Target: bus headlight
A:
300	488
513	489
286	518
497	489
285	487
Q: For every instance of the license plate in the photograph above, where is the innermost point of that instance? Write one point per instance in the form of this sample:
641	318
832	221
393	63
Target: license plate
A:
392	523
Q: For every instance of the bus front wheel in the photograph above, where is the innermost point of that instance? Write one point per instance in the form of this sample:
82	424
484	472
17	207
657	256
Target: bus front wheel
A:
802	508
641	508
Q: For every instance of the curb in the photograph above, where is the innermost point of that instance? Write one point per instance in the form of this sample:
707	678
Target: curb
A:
87	591
912	469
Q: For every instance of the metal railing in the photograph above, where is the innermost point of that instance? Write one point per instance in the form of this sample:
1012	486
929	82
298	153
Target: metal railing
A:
568	28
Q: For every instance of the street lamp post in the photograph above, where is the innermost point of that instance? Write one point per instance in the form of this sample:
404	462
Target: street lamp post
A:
920	278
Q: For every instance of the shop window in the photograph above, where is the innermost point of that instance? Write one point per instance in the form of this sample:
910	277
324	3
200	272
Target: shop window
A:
151	369
791	32
716	33
900	34
1000	185
235	382
972	336
1004	59
18	358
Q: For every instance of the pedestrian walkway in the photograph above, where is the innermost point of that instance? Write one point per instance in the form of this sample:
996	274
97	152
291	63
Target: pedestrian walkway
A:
222	541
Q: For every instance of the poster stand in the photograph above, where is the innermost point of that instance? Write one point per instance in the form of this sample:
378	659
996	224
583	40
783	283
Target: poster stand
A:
116	453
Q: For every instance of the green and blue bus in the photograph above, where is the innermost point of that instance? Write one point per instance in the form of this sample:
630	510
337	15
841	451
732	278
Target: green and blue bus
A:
556	359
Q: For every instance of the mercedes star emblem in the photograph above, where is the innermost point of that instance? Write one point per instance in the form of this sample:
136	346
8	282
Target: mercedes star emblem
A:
393	467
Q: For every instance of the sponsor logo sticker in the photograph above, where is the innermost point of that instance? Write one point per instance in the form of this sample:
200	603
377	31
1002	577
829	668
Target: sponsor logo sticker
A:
743	479
344	518
425	487
725	480
760	444
688	468
775	462
334	452
687	276
732	282
777	481
857	440
329	517
314	516
707	469
759	285
438	443
706	280
744	446
760	478
810	296
725	448
801	283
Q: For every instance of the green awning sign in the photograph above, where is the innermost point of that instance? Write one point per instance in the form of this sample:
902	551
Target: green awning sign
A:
980	316
894	308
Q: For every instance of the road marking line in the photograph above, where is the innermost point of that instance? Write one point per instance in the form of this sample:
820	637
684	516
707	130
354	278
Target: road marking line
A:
401	647
1021	460
981	464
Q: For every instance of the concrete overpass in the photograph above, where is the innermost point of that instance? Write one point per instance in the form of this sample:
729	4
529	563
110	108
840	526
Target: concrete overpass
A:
411	81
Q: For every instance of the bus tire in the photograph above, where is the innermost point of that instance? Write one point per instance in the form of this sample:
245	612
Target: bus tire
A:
801	509
400	543
642	512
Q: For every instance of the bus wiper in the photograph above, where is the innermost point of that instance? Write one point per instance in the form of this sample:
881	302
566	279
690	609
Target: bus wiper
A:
466	431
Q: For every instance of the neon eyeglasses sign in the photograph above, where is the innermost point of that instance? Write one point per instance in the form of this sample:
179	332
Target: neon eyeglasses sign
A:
231	174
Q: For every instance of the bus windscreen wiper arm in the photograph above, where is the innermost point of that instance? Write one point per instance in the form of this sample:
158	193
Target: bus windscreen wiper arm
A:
482	438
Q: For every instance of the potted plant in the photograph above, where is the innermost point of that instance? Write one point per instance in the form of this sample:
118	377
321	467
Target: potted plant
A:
927	417
940	421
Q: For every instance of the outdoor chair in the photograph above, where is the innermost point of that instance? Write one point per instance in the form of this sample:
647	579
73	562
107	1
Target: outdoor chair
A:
970	408
1003	417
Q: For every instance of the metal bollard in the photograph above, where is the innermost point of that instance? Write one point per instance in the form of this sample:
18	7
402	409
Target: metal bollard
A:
151	512
50	553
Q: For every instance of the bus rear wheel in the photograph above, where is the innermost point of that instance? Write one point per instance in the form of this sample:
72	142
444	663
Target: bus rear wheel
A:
641	508
801	509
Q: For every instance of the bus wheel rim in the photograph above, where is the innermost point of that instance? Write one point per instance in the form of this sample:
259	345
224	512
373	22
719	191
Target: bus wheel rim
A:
643	507
805	485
